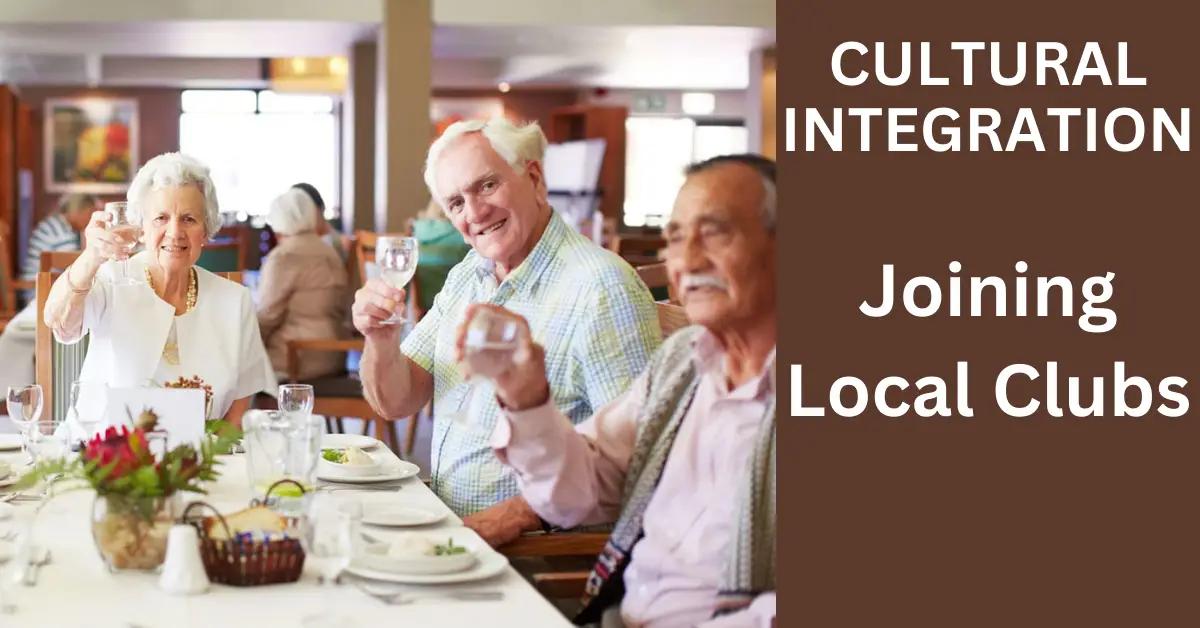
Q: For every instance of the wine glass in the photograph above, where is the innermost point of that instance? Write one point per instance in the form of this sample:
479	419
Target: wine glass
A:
24	409
397	261
87	399
329	535
488	348
124	223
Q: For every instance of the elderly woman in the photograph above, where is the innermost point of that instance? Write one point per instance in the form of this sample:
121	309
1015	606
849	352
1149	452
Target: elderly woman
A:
183	321
303	292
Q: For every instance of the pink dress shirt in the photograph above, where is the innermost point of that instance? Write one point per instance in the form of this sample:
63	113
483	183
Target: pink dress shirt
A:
574	476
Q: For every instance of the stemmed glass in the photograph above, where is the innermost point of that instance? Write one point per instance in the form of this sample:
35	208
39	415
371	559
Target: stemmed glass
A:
24	408
124	223
489	345
89	396
397	261
329	535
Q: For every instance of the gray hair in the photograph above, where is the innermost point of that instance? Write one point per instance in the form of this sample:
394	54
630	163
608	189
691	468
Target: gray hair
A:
74	202
517	145
172	170
763	166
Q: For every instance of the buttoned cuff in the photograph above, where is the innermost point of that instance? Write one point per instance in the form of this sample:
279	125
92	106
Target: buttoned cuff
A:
520	435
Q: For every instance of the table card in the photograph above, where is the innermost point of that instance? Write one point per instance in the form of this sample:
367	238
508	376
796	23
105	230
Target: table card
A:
180	411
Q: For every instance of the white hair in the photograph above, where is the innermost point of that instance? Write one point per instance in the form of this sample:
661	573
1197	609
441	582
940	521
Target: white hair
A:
172	170
292	212
517	145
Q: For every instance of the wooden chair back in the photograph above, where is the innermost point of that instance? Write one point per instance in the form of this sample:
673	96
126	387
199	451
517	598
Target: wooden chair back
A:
57	261
56	365
671	318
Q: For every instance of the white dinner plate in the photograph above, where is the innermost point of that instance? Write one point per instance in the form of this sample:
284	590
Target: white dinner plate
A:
490	562
391	471
10	442
397	515
338	441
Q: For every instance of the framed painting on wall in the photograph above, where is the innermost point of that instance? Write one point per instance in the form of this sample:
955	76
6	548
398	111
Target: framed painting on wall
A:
90	144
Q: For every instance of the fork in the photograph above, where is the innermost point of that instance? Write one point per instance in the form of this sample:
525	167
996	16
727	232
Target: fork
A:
406	597
30	577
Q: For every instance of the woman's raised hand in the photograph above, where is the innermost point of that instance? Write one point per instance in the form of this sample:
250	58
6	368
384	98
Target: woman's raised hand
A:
100	243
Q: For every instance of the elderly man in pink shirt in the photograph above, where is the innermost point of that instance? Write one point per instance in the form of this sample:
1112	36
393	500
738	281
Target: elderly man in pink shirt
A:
684	460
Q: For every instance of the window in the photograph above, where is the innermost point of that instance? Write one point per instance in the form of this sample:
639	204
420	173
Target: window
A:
258	144
657	151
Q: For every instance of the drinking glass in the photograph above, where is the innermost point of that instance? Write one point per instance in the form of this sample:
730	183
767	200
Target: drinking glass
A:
87	406
296	401
124	223
329	535
488	348
46	442
397	261
25	408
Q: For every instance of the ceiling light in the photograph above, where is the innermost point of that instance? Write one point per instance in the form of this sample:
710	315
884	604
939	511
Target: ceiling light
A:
504	87
338	66
299	65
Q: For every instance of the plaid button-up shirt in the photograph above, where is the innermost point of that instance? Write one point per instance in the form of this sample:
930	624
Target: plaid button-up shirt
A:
585	306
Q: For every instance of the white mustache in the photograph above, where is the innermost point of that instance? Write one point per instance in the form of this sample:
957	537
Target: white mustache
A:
689	281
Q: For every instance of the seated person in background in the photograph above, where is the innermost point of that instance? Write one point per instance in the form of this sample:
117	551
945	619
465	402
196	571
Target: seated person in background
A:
181	321
584	304
321	227
59	231
684	460
442	247
303	290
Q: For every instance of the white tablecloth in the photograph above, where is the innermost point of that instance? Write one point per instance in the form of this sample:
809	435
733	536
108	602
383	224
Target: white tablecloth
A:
75	589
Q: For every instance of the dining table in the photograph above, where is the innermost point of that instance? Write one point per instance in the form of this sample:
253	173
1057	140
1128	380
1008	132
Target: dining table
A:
75	587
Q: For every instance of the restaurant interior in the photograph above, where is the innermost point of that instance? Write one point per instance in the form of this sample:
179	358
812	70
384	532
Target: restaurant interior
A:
346	96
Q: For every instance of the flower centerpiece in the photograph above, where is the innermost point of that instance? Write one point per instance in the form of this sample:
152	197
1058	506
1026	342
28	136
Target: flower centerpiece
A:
136	491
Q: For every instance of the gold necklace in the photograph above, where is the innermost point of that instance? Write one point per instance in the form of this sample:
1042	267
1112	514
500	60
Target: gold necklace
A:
190	304
171	349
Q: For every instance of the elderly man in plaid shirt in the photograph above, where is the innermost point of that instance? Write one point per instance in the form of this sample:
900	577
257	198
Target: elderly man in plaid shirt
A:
584	304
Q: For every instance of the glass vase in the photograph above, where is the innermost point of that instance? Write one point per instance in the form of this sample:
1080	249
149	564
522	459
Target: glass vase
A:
131	532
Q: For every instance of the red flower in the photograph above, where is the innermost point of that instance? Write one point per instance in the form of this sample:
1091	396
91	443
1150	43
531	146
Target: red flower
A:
120	446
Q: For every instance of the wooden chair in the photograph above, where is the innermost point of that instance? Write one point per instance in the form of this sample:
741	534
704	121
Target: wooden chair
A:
656	279
57	261
57	365
671	318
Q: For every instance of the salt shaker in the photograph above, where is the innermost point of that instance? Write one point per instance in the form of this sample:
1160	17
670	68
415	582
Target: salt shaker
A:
183	570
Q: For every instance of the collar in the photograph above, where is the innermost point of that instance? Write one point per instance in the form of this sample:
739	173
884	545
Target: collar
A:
526	274
709	358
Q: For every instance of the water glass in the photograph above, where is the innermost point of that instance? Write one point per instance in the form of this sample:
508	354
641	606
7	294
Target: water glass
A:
330	537
124	223
24	409
488	348
296	401
46	442
397	261
86	410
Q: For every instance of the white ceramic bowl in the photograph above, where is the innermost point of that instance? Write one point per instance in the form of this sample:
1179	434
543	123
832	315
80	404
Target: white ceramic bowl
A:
376	556
352	470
